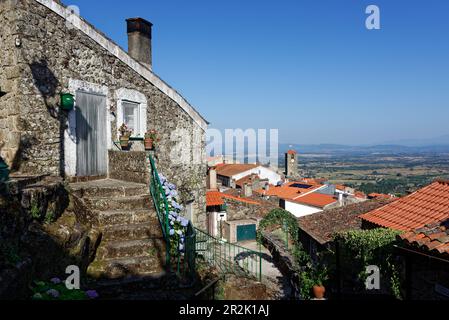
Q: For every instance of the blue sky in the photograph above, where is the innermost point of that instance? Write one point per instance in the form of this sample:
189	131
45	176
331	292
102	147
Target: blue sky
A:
309	68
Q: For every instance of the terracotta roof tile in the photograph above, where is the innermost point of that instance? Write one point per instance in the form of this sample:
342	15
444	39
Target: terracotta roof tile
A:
216	198
213	198
315	199
291	152
248	179
323	225
228	196
434	237
379	195
426	205
288	190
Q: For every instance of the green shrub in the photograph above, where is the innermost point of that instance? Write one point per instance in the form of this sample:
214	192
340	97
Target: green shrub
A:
361	248
55	289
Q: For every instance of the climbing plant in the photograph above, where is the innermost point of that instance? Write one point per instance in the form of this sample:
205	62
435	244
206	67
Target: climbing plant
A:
279	217
361	248
309	273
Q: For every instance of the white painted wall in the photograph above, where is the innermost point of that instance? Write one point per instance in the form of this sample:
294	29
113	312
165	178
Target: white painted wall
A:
262	172
300	210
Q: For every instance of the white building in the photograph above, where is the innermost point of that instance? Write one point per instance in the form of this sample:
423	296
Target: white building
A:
308	204
229	174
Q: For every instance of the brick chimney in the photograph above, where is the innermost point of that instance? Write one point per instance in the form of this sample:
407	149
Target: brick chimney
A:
139	40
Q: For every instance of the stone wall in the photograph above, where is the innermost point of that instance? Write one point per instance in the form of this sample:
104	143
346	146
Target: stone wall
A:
427	276
283	260
11	66
51	56
238	210
130	166
40	235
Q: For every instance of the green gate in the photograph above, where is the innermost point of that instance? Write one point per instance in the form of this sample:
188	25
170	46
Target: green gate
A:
246	232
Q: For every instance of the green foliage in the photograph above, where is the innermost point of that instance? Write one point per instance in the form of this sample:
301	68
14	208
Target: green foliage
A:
310	273
35	212
280	217
361	248
49	217
400	185
56	291
220	291
9	254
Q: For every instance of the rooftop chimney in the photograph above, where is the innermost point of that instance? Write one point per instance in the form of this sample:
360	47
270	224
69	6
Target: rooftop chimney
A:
139	40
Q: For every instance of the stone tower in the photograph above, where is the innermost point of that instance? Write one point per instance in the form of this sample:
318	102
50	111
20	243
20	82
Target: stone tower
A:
291	163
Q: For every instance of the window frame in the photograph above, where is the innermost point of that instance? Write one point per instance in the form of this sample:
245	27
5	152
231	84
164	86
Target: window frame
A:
134	97
137	121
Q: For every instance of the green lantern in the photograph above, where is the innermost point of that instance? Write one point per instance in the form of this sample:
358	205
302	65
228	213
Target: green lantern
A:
67	101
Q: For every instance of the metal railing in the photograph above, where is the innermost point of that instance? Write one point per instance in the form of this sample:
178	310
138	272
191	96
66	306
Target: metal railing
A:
228	257
183	262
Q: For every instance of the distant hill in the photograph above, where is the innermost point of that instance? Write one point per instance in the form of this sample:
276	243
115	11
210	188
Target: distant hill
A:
382	149
437	141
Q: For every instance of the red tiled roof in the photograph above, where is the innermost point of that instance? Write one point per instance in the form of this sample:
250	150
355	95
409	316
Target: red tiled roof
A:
247	179
228	196
315	199
322	226
379	196
433	237
424	206
291	152
229	170
213	198
287	191
360	194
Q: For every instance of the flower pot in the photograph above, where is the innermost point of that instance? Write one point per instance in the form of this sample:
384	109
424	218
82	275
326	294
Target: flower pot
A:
124	142
319	291
148	144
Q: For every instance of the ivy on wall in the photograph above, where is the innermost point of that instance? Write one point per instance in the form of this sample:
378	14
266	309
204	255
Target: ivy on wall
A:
362	248
309	273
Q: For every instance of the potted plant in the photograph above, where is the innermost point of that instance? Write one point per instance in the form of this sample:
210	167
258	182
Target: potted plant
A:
320	276
125	134
150	139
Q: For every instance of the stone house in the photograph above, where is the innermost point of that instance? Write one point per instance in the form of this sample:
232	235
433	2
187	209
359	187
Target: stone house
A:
426	254
46	51
317	231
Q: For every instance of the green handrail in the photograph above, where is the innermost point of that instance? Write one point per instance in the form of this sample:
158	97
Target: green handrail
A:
162	210
161	205
228	257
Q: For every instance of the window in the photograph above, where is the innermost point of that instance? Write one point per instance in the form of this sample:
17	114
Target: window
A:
131	117
132	110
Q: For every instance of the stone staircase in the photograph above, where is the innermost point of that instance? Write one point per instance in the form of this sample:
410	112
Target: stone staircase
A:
132	245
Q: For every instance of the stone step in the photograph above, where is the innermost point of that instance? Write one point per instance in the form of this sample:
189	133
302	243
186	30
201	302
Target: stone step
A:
108	188
140	231
123	217
119	203
131	248
122	268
